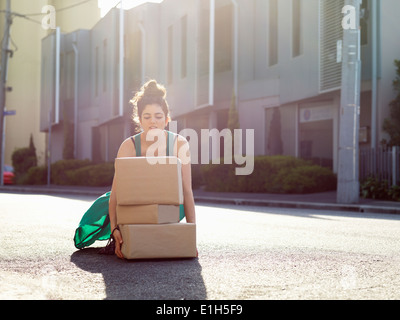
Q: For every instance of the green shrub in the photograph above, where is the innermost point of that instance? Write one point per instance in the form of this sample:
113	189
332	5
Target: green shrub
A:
305	179
374	188
36	176
60	168
99	175
214	177
23	159
72	172
394	193
272	174
197	176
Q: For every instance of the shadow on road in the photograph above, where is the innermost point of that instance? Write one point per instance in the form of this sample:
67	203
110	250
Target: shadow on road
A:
144	279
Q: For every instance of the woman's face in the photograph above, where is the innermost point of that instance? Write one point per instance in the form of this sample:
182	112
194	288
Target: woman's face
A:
153	117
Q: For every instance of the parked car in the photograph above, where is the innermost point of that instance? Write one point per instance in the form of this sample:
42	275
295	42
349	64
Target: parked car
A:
8	174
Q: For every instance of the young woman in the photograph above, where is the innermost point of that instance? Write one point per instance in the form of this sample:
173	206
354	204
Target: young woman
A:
151	114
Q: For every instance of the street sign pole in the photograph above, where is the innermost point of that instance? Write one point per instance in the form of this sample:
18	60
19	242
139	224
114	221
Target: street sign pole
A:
3	140
348	167
3	80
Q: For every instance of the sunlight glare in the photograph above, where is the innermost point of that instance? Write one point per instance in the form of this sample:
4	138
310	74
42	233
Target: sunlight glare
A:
106	5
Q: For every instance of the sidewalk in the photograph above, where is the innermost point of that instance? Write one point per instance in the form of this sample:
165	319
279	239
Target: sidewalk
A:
318	201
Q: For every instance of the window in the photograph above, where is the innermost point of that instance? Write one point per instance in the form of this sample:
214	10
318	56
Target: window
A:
170	54
331	32
62	69
364	22
223	38
70	72
296	28
105	65
96	75
184	46
203	38
273	32
135	59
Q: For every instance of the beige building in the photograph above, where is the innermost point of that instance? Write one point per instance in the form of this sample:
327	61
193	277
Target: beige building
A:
24	68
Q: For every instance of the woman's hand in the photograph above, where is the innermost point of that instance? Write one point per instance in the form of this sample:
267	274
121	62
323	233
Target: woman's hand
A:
118	242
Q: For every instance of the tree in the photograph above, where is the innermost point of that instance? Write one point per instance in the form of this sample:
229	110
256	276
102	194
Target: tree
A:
22	160
233	115
68	149
233	123
391	125
32	151
275	144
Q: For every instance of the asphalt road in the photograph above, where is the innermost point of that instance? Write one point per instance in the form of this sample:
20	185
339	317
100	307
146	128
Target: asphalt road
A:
244	253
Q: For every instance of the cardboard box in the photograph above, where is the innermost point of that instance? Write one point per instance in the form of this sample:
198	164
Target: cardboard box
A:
146	241
148	180
147	214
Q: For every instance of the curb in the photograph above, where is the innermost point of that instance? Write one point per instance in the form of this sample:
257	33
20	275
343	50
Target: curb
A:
361	208
51	190
301	205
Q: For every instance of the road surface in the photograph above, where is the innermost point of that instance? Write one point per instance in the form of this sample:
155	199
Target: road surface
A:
244	253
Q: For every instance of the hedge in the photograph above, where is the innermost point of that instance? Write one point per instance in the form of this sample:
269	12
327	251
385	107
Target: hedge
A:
73	172
23	159
60	169
99	175
272	174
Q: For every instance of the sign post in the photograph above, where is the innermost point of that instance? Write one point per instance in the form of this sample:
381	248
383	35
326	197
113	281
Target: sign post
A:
3	142
348	187
3	79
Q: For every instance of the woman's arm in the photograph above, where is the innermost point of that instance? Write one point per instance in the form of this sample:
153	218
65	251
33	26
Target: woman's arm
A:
112	212
126	150
188	199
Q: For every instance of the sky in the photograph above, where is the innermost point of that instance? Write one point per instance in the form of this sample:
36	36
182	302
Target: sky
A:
106	5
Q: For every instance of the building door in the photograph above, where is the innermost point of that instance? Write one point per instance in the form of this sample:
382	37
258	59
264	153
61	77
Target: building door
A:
316	135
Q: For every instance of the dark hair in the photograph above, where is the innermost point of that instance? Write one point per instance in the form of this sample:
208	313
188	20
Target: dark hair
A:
150	93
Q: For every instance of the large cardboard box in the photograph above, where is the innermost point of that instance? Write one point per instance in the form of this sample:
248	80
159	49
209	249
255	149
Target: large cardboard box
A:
148	180
147	214
145	241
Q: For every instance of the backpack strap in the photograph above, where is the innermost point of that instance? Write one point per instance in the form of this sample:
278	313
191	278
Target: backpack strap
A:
171	139
133	141
136	142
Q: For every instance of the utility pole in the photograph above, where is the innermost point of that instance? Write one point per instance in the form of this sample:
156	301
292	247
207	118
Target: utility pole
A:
3	79
348	166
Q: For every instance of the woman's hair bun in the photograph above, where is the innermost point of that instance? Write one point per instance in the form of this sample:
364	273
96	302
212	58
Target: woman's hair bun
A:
150	93
153	89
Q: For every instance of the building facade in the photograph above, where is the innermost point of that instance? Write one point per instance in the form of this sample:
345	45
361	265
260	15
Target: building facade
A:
25	66
279	61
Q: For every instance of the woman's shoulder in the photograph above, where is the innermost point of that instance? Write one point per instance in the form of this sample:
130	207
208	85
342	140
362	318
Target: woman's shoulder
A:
177	137
127	148
181	148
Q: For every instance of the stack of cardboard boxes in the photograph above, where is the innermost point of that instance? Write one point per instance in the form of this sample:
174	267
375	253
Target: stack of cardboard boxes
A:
149	194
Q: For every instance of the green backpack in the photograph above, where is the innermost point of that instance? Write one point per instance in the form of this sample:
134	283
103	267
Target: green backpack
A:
95	223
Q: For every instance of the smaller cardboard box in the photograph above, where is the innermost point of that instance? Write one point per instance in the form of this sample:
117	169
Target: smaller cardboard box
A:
148	214
151	241
148	180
